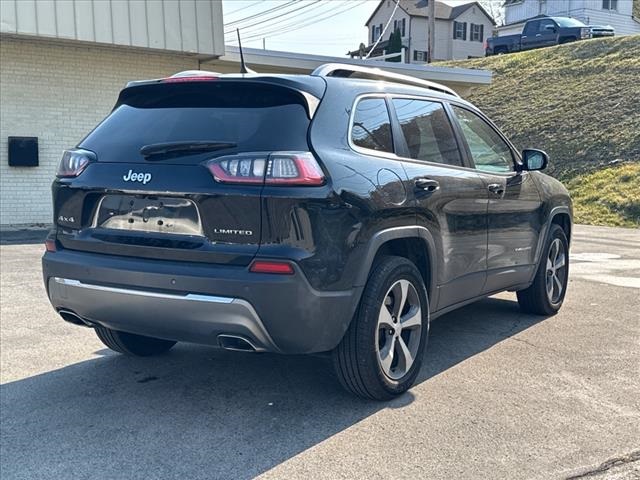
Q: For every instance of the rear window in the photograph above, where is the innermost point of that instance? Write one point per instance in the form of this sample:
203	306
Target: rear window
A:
256	117
569	22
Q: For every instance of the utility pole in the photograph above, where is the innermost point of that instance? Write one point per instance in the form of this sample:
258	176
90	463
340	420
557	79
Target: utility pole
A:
431	23
264	44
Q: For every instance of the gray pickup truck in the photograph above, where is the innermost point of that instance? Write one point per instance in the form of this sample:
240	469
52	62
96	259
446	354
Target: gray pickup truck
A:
538	33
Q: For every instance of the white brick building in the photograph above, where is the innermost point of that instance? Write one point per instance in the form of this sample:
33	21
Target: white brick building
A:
62	64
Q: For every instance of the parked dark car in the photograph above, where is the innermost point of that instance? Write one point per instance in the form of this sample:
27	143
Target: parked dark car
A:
538	33
602	31
337	212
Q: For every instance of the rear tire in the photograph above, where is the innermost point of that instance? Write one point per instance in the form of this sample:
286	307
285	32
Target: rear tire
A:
131	344
546	293
381	352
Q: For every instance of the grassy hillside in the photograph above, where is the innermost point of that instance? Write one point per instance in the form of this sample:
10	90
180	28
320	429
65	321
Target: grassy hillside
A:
581	103
609	196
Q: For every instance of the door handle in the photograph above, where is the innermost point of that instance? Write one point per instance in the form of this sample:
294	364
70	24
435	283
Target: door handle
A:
496	188
427	184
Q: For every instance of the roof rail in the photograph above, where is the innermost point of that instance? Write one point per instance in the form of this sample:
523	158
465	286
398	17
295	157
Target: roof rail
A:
346	70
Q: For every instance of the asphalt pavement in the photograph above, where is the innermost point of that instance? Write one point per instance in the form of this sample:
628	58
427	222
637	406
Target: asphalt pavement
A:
502	395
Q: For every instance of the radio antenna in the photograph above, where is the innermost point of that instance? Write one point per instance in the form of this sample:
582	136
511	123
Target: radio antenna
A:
243	66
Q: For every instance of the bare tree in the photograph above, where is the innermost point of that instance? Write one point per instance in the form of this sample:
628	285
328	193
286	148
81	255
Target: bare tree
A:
495	8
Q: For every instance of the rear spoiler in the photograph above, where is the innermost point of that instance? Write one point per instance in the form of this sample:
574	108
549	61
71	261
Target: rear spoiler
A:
310	89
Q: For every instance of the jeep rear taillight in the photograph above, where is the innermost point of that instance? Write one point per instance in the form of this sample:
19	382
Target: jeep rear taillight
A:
74	162
277	168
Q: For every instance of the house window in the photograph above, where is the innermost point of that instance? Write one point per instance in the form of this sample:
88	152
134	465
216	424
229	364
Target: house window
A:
610	4
419	56
373	33
476	33
402	25
459	30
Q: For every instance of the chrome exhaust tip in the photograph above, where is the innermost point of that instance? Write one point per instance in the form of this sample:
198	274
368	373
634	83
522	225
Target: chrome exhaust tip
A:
236	344
74	318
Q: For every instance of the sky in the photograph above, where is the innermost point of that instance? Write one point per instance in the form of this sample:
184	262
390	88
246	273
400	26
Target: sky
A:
322	27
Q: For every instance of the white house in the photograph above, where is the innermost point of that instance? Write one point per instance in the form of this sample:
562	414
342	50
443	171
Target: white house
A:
460	30
64	62
616	13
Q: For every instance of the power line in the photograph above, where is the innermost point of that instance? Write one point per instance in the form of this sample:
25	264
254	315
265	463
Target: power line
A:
384	30
279	16
250	17
297	25
243	8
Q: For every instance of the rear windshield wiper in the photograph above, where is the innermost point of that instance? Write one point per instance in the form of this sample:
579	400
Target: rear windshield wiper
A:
186	147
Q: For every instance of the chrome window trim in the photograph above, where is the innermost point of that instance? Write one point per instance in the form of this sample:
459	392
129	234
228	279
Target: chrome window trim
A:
393	156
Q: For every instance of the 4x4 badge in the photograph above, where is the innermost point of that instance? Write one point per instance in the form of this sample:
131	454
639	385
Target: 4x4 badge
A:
132	176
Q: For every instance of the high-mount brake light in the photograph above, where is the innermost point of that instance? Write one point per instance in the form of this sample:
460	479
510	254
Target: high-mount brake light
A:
74	162
265	266
188	79
277	168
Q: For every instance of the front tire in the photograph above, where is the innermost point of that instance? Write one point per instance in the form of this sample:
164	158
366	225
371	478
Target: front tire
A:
546	294
381	352
131	344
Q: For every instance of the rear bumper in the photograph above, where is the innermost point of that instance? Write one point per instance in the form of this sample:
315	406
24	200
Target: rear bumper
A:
198	302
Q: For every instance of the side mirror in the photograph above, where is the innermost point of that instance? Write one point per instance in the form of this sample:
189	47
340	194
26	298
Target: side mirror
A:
533	159
549	29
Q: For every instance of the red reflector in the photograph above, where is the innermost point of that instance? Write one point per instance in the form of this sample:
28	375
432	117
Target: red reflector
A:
50	245
261	266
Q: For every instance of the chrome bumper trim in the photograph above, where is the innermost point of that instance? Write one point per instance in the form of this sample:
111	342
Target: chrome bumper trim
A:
144	293
187	317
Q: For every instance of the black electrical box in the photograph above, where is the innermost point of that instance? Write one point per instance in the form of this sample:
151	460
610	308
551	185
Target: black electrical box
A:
23	151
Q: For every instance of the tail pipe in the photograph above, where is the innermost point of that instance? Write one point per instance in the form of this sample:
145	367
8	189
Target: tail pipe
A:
74	318
236	343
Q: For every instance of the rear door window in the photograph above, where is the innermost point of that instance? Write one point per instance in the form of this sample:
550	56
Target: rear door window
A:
531	28
371	127
427	131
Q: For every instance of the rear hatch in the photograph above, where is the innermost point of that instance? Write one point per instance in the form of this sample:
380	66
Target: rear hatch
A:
149	188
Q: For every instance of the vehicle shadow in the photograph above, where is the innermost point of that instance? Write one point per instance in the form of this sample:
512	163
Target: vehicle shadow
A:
23	237
199	412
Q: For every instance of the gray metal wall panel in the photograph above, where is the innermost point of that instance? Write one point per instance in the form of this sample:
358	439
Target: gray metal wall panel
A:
120	19
46	17
217	27
8	17
172	31
84	21
203	21
103	22
26	15
65	19
193	26
155	26
188	25
138	22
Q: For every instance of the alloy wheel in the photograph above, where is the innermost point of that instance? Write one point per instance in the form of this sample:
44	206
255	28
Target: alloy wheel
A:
399	329
556	271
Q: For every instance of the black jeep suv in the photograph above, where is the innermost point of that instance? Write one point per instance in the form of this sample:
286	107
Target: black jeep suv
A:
338	212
